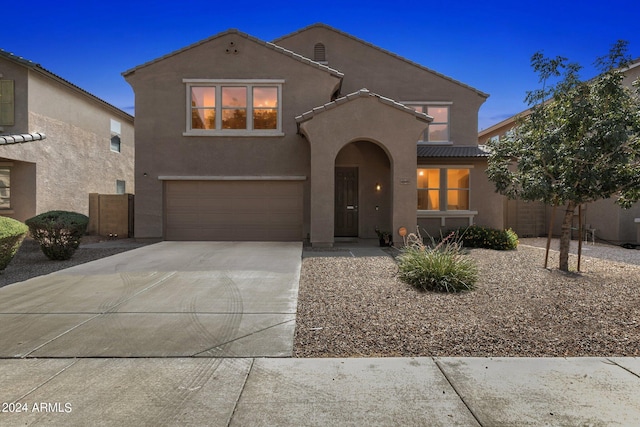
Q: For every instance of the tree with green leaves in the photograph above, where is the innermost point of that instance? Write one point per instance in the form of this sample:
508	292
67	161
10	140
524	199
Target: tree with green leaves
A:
580	142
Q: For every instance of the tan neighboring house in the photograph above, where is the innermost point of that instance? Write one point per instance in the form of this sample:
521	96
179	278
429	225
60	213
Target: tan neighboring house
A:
58	143
603	219
317	135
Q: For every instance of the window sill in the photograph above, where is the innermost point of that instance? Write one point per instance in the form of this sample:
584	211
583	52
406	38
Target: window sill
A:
239	133
435	142
448	214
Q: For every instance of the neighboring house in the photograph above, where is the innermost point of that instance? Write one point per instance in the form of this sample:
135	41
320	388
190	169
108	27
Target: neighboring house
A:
318	135
58	143
603	218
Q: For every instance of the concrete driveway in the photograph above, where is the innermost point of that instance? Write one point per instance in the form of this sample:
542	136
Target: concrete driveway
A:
170	299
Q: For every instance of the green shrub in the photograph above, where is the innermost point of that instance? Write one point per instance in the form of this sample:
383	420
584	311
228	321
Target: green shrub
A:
442	269
489	238
12	234
58	232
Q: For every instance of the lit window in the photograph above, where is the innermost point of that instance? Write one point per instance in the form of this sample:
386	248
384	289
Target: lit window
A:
203	108
265	108
429	189
443	189
457	189
438	130
234	108
5	188
115	136
230	108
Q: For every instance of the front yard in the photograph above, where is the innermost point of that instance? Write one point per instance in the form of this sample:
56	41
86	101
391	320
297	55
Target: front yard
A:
357	307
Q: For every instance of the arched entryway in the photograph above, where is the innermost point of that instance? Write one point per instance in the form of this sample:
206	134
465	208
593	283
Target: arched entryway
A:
350	132
362	190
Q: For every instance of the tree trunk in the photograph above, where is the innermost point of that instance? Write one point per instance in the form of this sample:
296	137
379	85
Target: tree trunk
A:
565	236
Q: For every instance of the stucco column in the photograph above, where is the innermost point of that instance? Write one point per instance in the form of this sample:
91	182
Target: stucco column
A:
322	195
404	184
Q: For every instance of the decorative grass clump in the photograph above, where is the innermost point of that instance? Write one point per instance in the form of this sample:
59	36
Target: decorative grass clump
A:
12	233
443	268
477	236
58	232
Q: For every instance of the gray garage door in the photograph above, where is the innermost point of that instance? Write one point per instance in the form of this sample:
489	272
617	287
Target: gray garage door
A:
233	210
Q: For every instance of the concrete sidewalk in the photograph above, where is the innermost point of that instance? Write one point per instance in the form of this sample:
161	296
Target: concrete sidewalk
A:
320	392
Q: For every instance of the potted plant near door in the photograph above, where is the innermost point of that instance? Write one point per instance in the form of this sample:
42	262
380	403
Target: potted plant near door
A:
384	237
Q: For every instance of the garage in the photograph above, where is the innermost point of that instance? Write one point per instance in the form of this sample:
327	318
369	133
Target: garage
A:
233	210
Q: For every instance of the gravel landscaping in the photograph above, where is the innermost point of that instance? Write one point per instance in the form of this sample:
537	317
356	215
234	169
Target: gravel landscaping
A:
30	262
357	307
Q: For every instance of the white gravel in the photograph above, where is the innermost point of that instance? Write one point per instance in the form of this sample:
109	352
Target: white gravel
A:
357	307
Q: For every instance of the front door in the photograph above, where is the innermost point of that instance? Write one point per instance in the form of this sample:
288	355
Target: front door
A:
346	202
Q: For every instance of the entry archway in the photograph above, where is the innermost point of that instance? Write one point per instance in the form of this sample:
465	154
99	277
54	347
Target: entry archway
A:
363	193
362	117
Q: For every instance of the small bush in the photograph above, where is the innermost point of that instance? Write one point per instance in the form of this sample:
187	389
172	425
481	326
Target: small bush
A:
443	268
488	238
12	233
58	232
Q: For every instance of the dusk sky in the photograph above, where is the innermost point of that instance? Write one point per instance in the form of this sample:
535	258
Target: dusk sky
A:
485	44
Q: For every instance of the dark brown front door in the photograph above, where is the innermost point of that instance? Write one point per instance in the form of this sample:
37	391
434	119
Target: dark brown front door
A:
346	186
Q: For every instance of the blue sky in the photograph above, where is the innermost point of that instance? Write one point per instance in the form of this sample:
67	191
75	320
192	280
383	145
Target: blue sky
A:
485	44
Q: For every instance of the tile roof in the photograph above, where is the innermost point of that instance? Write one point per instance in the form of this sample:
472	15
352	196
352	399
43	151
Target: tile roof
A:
452	151
25	137
362	93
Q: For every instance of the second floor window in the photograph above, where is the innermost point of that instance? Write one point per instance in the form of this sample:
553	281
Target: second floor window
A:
232	108
6	102
116	129
438	130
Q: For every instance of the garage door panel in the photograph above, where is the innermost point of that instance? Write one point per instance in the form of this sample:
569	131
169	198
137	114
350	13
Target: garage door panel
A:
233	210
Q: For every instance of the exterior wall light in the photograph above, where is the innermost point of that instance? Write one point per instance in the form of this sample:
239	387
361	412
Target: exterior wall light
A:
378	186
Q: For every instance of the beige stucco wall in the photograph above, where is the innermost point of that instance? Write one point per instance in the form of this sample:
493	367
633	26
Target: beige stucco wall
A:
366	66
611	222
20	76
75	159
163	150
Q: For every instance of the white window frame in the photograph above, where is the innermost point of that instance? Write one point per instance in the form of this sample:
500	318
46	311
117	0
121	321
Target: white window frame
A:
123	183
9	166
116	131
425	105
218	84
443	213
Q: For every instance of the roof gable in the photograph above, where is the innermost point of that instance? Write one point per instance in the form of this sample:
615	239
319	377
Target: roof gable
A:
268	45
370	45
40	69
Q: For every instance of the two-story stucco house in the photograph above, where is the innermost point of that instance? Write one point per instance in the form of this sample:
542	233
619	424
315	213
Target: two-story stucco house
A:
58	143
604	219
317	135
